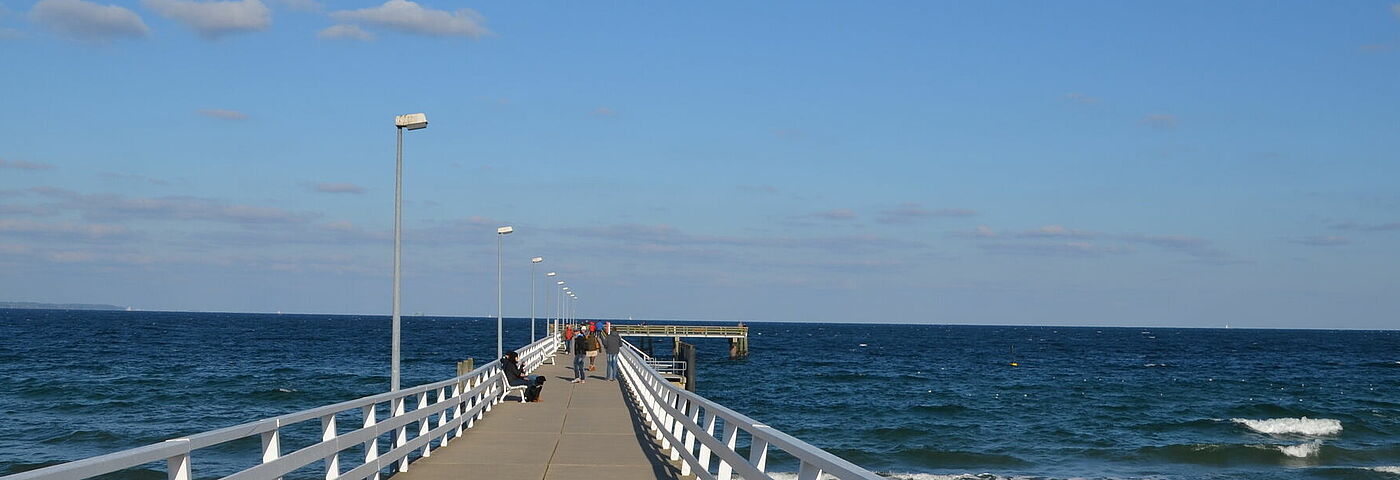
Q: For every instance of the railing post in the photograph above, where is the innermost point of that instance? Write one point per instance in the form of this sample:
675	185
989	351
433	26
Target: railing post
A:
676	426
694	409
808	471
328	433
731	432
178	467
423	423
372	445
460	408
272	445
443	396
401	433
758	453
705	448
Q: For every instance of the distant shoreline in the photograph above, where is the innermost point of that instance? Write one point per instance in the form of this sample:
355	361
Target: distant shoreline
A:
60	306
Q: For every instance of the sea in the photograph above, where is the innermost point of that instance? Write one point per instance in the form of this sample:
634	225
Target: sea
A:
937	402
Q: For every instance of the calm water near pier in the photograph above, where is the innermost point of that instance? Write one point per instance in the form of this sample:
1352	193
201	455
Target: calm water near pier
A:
909	401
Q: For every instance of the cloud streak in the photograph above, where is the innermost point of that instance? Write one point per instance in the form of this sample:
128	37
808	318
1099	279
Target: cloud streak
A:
222	114
1367	227
88	21
1057	240
216	19
410	17
23	165
1161	121
1320	241
345	32
333	187
910	212
110	207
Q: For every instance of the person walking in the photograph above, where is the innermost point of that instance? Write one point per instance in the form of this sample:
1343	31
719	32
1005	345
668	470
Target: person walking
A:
595	343
612	345
568	337
580	348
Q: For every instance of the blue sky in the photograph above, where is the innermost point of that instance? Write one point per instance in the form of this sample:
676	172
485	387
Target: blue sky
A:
1067	163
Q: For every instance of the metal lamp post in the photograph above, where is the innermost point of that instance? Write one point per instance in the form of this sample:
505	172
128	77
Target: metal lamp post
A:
412	121
533	261
559	304
550	320
500	318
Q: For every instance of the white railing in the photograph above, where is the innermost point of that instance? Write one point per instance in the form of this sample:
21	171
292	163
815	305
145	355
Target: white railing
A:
457	404
684	423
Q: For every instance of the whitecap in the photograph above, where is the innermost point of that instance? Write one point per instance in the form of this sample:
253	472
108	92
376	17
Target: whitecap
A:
956	476
1386	469
1301	426
1302	450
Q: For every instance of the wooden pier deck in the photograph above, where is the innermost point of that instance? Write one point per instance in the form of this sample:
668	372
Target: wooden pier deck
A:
577	431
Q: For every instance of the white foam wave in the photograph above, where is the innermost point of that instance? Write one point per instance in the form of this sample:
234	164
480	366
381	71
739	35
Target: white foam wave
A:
1386	469
1300	426
906	476
1302	450
957	476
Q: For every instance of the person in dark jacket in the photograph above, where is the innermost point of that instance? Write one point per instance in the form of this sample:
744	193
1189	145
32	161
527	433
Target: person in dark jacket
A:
580	353
515	375
612	346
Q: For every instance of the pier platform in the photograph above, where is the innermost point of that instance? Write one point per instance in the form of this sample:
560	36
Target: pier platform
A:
577	431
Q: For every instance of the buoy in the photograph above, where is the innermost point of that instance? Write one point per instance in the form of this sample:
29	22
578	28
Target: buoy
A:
1014	364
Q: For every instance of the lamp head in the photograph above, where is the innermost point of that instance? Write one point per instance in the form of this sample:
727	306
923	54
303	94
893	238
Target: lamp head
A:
550	274
506	230
537	260
412	121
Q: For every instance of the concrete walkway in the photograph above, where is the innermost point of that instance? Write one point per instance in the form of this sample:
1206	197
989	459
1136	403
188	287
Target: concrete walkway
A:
578	431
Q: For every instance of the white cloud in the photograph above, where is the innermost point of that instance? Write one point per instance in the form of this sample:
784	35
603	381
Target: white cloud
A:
345	32
222	114
410	17
88	21
215	19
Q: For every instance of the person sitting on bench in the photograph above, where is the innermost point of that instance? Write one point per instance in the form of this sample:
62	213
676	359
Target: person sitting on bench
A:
516	376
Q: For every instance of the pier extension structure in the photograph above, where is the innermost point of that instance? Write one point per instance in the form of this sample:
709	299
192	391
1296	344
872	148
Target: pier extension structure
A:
738	335
473	426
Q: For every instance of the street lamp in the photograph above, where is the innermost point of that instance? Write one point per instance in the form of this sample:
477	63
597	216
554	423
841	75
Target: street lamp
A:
559	304
500	319
412	121
549	321
533	261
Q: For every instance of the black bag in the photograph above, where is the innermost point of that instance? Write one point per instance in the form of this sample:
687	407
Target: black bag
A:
532	393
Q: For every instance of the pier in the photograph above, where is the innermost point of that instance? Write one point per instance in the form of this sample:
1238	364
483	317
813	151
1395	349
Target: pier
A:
474	426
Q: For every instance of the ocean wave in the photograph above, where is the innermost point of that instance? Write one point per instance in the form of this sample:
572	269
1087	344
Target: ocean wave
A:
957	459
1299	426
942	408
1239	454
1302	450
906	476
954	476
1385	469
